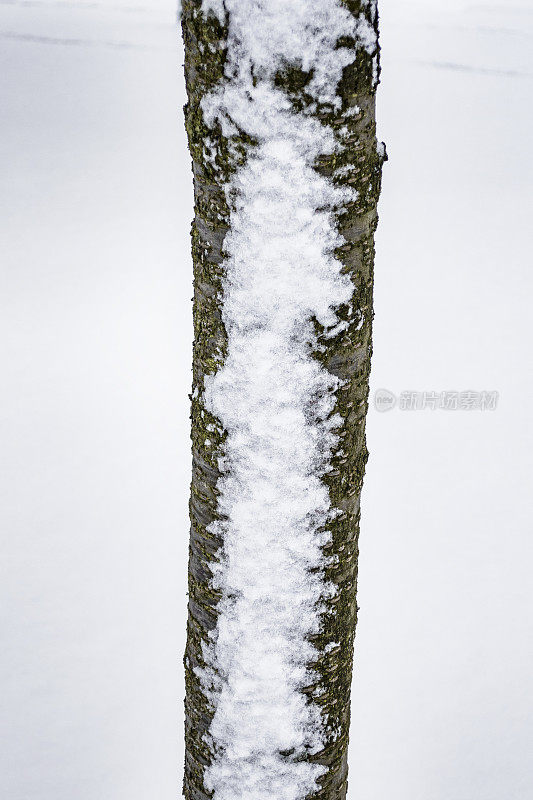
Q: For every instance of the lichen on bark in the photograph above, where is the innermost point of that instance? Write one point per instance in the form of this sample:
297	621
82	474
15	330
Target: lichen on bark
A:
358	165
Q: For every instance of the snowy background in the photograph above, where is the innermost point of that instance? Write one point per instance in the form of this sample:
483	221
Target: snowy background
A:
96	203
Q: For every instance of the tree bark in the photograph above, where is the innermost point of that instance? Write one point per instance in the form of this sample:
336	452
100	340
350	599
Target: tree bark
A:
346	355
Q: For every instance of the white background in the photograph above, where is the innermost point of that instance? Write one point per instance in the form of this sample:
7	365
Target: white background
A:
96	204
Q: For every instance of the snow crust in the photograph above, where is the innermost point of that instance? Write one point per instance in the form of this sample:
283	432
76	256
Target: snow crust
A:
273	398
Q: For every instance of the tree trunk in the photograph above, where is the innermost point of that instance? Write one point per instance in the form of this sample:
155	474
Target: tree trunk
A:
281	123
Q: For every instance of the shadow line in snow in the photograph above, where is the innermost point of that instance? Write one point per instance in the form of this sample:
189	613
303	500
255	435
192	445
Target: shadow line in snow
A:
81	5
450	65
491	30
27	37
500	9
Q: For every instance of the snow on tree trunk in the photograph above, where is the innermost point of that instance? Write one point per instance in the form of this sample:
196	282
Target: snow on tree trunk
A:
287	171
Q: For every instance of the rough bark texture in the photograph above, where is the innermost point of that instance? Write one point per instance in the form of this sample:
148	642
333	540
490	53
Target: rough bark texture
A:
347	356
